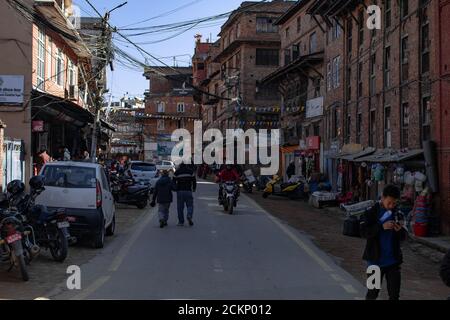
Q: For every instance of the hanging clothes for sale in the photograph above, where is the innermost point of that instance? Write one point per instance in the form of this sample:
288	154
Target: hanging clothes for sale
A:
378	173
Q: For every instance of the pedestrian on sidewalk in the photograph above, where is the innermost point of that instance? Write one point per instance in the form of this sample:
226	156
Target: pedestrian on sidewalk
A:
384	228
185	183
163	195
445	270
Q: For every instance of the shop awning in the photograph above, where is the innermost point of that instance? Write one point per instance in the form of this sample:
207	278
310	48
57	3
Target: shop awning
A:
364	153
289	149
389	155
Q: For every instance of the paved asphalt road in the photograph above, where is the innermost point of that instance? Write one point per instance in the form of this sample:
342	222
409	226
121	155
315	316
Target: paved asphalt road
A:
249	255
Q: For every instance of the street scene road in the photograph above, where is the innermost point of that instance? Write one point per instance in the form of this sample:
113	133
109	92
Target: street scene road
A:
248	255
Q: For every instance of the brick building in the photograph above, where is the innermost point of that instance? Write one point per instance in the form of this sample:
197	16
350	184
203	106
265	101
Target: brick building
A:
385	118
300	79
169	105
248	51
441	94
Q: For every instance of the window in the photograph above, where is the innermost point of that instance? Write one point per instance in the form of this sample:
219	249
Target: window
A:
180	107
358	127
238	60
267	57
425	59
387	128
387	67
329	76
41	60
348	129
372	128
388	14
316	129
161	106
360	82
404	60
295	51
287	32
316	84
349	36
373	63
336	72
349	83
160	124
201	66
335	122
404	8
60	68
426	119
50	58
299	24
72	74
313	43
336	30
265	25
361	28
70	177
404	125
287	56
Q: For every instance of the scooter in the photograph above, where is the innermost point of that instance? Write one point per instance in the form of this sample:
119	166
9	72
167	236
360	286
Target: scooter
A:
248	181
126	191
295	189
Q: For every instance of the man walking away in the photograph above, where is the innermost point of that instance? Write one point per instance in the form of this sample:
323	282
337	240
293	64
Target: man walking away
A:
163	194
383	227
445	270
185	183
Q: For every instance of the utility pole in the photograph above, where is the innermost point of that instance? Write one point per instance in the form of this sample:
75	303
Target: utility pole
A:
106	58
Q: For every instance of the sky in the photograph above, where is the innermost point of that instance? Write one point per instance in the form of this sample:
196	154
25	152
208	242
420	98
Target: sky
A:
124	80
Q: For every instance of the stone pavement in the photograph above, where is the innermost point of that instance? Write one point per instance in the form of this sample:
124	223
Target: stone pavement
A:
420	270
45	273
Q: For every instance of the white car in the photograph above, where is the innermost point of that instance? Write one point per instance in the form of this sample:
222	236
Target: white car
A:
84	191
165	165
143	172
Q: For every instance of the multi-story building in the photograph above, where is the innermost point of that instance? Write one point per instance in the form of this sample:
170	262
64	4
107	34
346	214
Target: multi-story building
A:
43	60
248	51
169	105
387	106
441	114
300	79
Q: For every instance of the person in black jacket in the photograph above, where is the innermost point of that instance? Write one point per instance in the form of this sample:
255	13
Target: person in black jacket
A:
445	270
383	227
163	193
290	170
185	183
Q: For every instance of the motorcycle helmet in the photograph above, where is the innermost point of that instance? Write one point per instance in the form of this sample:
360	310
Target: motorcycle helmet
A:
37	182
15	187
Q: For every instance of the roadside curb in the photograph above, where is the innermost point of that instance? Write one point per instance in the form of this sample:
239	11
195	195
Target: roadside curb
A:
444	248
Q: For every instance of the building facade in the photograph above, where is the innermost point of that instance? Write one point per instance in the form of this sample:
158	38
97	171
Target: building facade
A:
169	105
45	60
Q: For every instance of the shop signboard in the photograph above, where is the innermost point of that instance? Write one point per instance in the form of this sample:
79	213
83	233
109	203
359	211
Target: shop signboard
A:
314	108
11	89
313	143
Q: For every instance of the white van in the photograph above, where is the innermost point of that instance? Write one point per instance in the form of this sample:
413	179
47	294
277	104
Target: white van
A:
82	189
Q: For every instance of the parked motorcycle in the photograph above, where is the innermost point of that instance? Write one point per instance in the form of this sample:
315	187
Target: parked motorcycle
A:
126	191
47	229
248	181
295	189
11	248
230	194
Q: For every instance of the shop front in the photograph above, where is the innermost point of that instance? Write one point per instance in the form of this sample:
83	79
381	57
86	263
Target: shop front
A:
310	156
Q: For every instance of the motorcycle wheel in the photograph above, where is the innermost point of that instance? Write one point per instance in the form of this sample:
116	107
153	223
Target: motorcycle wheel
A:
225	205
60	247
23	268
141	205
230	205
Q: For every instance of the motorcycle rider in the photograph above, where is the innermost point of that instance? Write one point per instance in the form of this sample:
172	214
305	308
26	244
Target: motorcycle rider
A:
227	174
